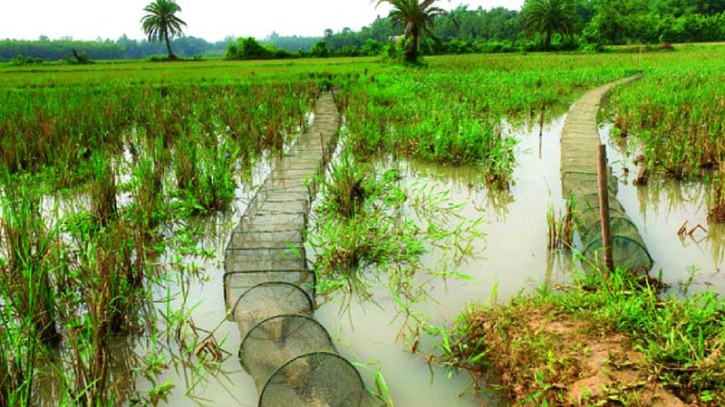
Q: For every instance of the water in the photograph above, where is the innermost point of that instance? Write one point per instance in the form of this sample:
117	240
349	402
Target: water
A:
225	384
659	209
513	258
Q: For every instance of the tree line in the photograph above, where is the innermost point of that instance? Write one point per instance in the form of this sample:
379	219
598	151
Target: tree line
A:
540	25
122	48
581	24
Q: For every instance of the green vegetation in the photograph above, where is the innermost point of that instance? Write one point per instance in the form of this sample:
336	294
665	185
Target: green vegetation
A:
161	22
251	116
417	18
546	344
672	122
446	115
574	24
104	167
249	48
549	17
592	25
21	61
136	161
122	48
371	227
675	116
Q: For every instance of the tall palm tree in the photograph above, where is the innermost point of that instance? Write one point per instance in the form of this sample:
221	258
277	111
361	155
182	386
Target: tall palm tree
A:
161	22
549	17
417	18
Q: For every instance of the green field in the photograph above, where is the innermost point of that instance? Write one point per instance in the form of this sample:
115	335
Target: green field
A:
107	170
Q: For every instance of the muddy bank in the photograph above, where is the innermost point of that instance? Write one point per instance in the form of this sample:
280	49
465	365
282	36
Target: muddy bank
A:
542	353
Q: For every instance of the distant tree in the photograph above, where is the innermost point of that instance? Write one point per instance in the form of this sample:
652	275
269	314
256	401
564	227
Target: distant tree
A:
320	49
417	18
549	17
371	48
161	22
249	48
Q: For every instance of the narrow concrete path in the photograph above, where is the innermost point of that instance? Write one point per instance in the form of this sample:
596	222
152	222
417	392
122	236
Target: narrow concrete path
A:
270	291
579	140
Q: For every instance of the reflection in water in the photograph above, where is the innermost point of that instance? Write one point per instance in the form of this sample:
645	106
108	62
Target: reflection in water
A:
368	325
465	181
513	256
190	304
660	209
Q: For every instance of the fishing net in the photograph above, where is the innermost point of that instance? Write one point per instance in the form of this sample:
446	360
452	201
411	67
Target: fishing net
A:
579	176
290	356
580	182
267	300
279	339
238	283
271	293
629	250
318	379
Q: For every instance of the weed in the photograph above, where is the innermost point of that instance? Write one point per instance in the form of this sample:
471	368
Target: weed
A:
717	211
561	228
545	343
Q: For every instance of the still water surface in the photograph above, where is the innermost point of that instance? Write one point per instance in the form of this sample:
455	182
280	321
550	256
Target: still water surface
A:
513	258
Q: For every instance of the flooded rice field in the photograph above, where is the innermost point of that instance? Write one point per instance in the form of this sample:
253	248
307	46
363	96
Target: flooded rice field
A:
511	257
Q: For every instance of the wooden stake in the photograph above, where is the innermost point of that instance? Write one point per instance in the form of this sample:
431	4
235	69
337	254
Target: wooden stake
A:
604	207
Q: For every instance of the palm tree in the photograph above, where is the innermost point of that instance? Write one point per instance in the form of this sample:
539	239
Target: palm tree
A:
549	17
161	22
417	18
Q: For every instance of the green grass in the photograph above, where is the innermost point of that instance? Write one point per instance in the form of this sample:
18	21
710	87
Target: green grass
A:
146	146
679	334
675	117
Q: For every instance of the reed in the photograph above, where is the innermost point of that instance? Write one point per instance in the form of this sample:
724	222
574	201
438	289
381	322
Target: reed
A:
675	117
717	211
32	255
560	228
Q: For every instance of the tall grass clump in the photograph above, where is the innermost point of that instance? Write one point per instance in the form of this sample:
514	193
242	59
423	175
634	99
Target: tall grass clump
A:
717	211
103	189
348	187
58	130
561	227
371	226
109	285
455	116
32	254
205	173
357	225
18	356
676	117
147	209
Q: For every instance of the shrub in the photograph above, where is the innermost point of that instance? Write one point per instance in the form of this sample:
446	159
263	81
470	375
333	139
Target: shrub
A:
21	61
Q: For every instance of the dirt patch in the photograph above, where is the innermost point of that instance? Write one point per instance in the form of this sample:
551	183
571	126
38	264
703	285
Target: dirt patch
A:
544	356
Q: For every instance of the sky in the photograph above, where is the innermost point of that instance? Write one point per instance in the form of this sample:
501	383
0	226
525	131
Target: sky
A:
212	20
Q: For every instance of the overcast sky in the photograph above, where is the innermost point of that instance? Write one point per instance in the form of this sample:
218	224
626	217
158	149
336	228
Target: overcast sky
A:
210	19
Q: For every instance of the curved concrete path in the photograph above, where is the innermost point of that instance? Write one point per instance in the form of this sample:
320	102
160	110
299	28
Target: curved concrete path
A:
579	140
272	293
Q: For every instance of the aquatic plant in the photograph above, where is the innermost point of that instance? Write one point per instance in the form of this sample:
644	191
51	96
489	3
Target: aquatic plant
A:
674	116
347	187
449	117
561	227
717	211
32	255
